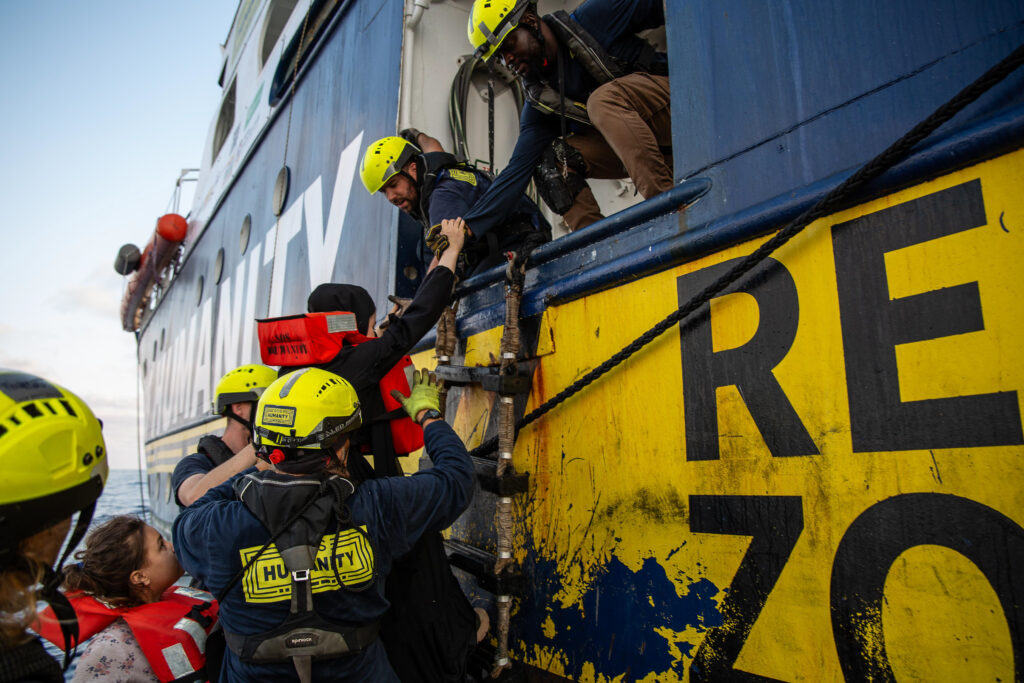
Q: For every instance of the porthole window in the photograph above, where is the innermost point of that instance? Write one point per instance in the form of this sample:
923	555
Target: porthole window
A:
199	290
243	235
163	335
218	266
154	349
225	121
273	25
144	367
281	190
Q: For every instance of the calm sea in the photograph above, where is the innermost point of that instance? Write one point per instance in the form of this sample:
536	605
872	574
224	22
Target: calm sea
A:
121	496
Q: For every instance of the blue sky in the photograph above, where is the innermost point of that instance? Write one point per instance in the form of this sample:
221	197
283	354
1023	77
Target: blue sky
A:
103	104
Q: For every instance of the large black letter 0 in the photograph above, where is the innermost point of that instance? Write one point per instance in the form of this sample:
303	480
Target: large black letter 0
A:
883	532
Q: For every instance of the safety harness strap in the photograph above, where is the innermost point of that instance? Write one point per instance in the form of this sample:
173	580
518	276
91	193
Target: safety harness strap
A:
601	66
304	635
430	165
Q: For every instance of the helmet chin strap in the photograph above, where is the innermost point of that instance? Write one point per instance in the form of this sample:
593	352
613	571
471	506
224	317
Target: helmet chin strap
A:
248	424
538	34
52	579
416	210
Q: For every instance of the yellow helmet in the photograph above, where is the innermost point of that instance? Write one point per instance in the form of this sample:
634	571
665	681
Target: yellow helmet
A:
306	409
490	22
53	461
244	384
383	159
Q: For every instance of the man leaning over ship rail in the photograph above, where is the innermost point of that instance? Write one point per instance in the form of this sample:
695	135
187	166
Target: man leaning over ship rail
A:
298	554
415	174
218	458
598	98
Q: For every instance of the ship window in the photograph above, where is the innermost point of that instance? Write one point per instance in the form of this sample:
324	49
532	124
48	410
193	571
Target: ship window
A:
154	349
273	25
145	369
163	336
281	185
218	266
225	121
292	58
199	290
243	235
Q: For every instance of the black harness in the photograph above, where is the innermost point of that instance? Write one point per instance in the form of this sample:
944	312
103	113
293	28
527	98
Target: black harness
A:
214	448
299	511
520	225
429	166
601	66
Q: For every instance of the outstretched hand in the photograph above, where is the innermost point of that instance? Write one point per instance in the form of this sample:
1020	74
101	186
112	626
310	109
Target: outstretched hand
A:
450	233
424	395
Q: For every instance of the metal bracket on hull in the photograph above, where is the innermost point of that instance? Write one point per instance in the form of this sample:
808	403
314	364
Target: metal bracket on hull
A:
490	379
480	564
503	485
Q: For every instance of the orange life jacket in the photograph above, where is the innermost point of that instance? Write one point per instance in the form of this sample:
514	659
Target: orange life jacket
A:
317	338
171	632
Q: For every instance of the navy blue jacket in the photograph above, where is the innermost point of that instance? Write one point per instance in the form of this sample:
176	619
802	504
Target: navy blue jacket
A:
456	190
210	536
614	25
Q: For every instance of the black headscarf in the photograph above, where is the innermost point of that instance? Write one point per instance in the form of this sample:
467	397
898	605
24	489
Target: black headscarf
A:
352	298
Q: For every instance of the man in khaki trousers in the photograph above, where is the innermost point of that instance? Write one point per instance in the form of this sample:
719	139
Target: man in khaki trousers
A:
598	102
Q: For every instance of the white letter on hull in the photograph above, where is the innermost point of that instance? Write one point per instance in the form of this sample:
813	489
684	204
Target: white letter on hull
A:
323	247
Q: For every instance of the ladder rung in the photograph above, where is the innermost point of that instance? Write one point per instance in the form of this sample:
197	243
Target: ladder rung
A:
505	485
490	378
480	564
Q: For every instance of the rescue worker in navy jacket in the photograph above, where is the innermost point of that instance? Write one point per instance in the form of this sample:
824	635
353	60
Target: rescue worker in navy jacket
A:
421	179
298	554
218	458
431	624
598	103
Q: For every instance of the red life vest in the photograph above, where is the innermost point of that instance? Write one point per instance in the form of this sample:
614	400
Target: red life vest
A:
317	338
171	632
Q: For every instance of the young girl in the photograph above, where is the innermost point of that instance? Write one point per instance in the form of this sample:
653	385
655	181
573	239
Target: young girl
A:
142	627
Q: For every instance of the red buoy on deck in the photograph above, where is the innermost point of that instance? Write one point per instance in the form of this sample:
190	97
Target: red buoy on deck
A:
172	227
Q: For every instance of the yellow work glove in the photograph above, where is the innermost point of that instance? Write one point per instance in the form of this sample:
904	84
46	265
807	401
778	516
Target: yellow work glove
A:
436	242
424	394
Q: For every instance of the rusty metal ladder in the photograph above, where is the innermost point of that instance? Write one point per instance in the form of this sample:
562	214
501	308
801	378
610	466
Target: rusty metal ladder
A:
495	572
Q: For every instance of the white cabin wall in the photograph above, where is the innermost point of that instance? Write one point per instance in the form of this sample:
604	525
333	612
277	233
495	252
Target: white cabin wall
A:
433	53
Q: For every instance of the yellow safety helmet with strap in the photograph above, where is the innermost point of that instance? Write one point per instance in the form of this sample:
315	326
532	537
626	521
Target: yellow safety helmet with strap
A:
384	159
53	460
244	384
309	409
53	463
490	22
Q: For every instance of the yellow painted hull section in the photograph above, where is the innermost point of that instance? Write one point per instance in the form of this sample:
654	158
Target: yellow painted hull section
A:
635	535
